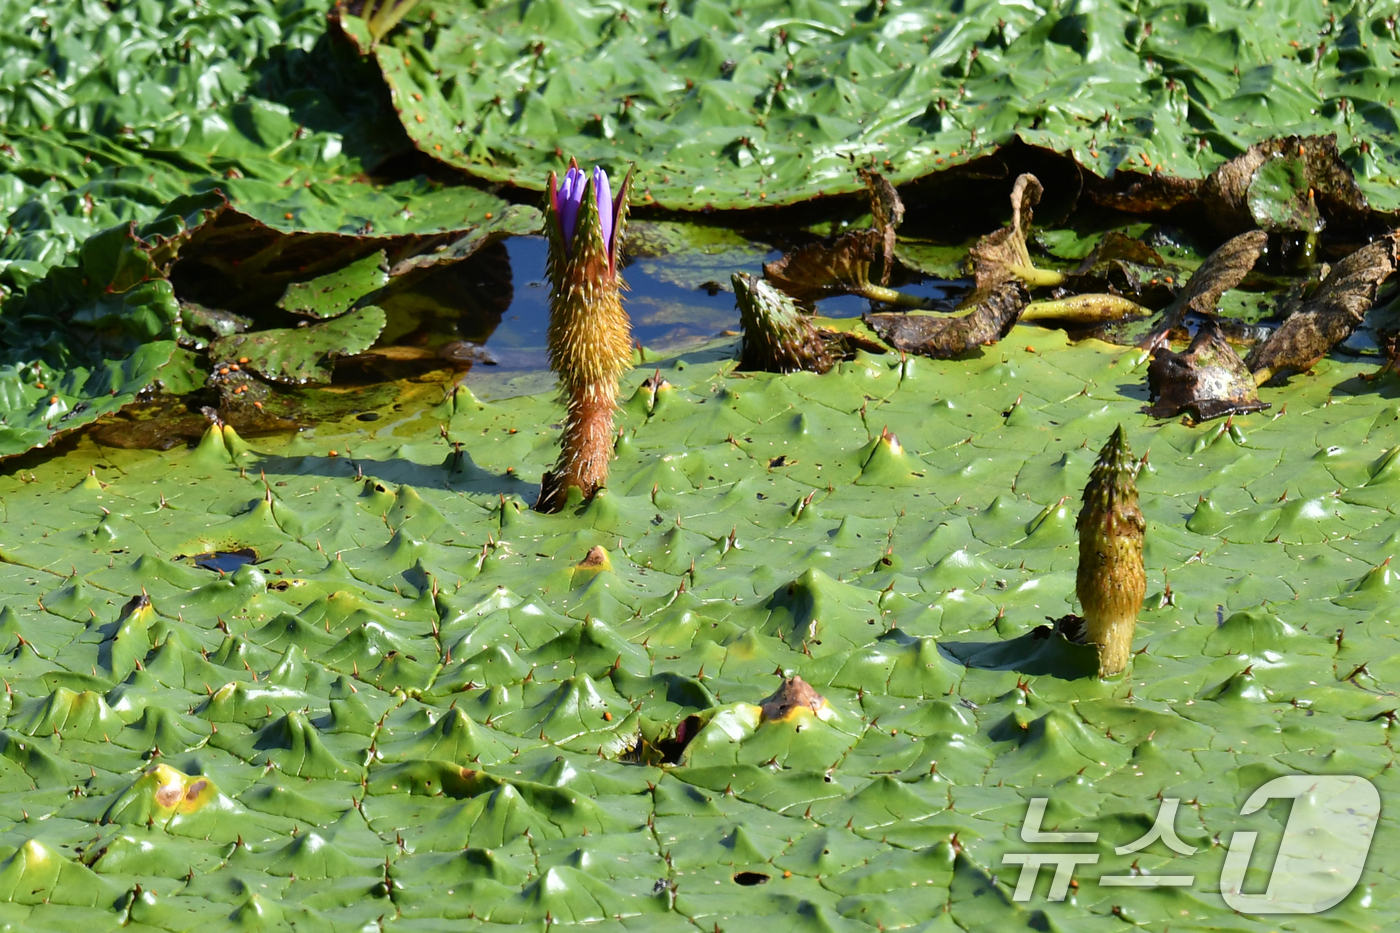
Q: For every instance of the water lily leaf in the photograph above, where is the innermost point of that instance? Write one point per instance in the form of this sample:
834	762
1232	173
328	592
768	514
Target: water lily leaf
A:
329	295
1329	316
1208	380
299	355
1280	197
1287	183
725	108
512	220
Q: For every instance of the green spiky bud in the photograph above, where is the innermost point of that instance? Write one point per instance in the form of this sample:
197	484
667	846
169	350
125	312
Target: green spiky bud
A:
778	338
1111	583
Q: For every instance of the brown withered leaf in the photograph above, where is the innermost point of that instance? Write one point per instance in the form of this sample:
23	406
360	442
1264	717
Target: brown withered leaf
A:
942	337
1223	270
1225	192
1208	380
855	263
1330	315
1139	193
1122	265
1117	246
821	270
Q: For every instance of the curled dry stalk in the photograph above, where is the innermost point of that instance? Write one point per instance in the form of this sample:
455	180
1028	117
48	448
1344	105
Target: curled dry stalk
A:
1110	582
1002	269
590	335
1003	255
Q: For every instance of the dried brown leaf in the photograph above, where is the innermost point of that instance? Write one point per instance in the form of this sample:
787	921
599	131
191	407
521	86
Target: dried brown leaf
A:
821	270
942	337
1223	270
887	213
1208	380
855	263
1330	315
1226	191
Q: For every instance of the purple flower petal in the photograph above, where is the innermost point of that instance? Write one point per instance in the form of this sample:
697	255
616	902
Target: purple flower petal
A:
570	197
605	205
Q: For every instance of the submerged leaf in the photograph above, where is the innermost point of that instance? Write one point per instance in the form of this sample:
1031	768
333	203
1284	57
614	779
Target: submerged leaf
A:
1208	380
1330	315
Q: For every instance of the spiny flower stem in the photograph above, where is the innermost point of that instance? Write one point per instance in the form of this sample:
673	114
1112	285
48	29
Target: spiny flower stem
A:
590	335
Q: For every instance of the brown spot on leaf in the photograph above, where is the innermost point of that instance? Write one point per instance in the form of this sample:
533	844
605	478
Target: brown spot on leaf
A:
595	559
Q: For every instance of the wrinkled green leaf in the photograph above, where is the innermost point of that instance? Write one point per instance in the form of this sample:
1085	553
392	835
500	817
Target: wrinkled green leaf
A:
333	294
299	355
728	107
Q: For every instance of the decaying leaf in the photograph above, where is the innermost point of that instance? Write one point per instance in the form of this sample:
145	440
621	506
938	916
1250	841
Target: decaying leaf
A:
886	214
1236	197
1330	315
855	263
1208	380
1223	270
943	337
1002	256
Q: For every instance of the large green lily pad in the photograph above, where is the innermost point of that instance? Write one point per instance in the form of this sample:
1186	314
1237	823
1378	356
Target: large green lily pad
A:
774	102
422	704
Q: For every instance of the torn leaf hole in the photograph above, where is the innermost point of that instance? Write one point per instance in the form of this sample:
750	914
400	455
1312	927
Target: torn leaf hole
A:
223	561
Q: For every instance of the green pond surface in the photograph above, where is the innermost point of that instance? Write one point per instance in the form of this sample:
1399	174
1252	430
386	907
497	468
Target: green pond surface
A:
415	710
320	666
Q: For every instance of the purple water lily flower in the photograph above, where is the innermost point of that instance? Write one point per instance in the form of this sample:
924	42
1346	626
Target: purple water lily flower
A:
568	200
